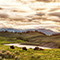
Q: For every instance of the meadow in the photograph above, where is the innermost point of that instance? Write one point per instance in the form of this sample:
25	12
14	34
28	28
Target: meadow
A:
29	38
30	54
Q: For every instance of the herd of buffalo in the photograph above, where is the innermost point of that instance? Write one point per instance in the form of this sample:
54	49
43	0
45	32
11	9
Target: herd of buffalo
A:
24	48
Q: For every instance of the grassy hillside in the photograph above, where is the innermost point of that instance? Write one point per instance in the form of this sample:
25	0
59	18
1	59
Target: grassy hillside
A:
41	39
32	38
35	38
18	54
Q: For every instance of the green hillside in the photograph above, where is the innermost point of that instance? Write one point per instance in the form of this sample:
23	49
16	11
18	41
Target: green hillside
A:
30	38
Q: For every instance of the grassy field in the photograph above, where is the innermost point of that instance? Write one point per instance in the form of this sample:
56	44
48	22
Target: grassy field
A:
34	38
30	54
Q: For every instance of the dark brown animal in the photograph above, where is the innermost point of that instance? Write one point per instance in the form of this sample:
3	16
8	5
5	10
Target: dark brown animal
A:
41	49
36	48
12	47
24	48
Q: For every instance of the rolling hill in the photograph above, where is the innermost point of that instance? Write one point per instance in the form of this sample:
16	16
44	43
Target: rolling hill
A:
30	38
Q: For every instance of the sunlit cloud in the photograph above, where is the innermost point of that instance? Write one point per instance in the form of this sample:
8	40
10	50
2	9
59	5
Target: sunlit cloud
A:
28	14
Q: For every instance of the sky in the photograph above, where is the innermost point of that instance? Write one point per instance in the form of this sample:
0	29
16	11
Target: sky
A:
28	14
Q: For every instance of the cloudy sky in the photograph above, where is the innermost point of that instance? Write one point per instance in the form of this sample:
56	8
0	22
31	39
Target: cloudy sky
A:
28	14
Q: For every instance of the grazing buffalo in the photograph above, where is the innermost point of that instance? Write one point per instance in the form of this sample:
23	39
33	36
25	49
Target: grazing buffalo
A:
12	47
24	48
36	48
41	49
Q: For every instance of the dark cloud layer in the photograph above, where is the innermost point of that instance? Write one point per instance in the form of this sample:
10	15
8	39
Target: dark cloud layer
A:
4	15
40	14
54	9
43	0
57	14
48	0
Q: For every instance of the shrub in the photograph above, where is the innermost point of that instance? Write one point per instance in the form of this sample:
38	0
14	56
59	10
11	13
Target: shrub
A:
17	53
17	58
38	56
8	52
13	55
0	58
10	56
4	59
3	55
3	51
7	56
32	56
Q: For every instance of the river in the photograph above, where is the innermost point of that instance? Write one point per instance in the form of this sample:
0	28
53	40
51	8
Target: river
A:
27	46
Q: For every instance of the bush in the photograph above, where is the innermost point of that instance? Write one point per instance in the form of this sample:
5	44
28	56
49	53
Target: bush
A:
32	56
3	55
17	53
8	52
38	56
7	56
0	58
3	51
13	55
17	58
